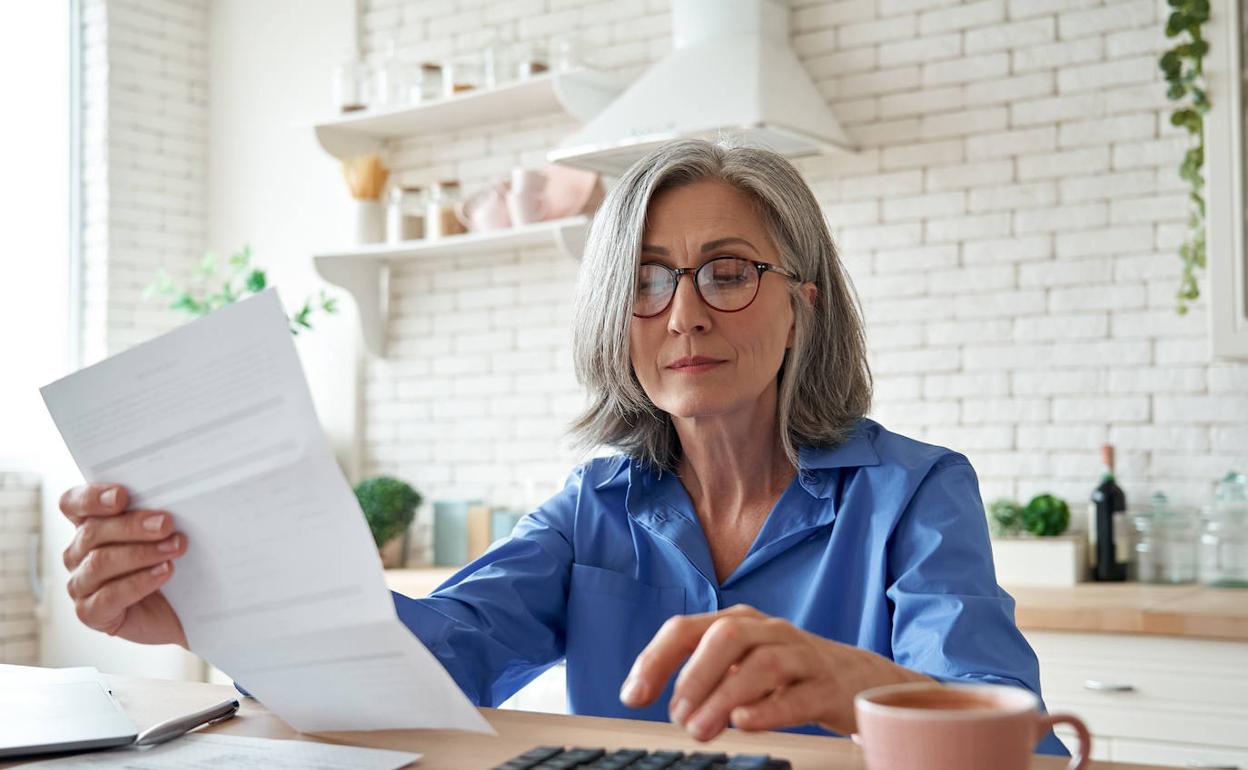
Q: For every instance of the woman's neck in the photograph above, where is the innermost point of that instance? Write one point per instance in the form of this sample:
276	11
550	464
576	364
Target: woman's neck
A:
733	464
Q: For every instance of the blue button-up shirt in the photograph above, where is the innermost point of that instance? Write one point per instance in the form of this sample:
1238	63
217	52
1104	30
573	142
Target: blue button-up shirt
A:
880	542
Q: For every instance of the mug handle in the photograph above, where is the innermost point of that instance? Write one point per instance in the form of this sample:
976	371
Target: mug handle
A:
1081	758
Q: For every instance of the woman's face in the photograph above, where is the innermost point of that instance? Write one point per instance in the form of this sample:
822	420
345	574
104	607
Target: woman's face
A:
737	355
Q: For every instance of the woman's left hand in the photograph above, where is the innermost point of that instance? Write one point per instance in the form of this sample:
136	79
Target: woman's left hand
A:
755	672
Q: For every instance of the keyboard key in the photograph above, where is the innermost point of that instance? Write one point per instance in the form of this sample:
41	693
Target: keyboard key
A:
558	758
749	762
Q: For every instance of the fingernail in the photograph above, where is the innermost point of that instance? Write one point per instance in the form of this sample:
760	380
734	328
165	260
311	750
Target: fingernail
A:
154	523
108	497
629	691
161	568
700	727
168	545
679	711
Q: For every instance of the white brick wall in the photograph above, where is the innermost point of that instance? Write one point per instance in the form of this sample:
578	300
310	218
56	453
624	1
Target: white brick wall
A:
1011	225
19	525
145	118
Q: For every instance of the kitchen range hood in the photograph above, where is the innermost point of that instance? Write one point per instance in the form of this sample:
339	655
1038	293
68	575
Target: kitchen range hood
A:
731	74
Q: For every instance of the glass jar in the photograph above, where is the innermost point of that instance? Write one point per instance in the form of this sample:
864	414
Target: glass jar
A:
1224	539
440	219
405	215
1164	547
460	75
390	80
426	83
351	86
529	60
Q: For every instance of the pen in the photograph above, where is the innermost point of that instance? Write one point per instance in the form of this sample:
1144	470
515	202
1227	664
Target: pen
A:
172	728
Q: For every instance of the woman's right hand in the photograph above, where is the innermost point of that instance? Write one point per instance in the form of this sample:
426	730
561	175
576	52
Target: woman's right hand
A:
118	561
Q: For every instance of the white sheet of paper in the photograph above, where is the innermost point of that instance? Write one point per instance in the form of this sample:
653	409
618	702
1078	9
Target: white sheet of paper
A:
196	752
281	586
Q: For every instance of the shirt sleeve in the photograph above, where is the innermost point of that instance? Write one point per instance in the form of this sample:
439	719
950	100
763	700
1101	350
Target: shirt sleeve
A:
500	621
951	620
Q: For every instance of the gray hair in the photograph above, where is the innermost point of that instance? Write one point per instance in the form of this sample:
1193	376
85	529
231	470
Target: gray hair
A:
825	382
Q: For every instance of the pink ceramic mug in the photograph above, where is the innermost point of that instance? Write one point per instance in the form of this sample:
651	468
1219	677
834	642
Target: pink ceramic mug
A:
956	727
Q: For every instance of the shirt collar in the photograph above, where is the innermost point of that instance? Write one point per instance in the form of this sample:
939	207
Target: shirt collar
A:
857	450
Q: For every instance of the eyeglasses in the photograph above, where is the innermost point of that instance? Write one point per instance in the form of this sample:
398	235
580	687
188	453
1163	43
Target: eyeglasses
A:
726	284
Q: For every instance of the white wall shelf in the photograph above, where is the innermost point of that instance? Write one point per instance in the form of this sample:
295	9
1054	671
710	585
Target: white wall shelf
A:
580	93
364	271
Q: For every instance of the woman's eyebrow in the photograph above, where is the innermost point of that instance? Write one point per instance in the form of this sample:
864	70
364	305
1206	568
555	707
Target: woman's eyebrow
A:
708	246
715	244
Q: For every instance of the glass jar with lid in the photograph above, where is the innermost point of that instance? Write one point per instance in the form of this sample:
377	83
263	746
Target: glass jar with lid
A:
1224	538
405	215
1164	547
441	220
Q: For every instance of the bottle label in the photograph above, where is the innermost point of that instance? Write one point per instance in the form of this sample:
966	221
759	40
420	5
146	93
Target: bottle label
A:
1092	535
1122	546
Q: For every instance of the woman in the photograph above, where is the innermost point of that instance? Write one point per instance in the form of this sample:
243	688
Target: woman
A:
755	524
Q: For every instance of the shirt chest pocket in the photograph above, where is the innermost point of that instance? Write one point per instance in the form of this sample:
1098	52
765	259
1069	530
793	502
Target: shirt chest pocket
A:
611	618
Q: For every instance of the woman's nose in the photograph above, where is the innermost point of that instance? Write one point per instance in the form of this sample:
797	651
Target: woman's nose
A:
688	312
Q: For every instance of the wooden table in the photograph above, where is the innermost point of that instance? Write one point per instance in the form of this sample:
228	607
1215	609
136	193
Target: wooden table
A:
148	701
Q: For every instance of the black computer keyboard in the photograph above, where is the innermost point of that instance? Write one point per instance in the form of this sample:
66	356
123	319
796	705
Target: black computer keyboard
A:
558	758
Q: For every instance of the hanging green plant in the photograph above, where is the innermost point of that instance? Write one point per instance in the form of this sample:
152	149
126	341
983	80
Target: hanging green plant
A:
1183	66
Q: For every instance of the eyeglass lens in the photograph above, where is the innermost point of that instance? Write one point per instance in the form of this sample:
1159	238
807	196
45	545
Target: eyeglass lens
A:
726	284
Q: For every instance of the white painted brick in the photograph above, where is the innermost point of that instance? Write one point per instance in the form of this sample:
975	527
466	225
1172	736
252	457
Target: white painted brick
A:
1116	16
1068	272
1229	438
963	122
1060	164
977	384
889	7
962	16
1007	90
918	413
894	337
1055	56
1113	186
965	69
1064	382
897	387
924	206
969	175
1158	208
999	304
856	213
922	101
1073	217
920	258
1068	326
1158	323
883	185
974	331
962	439
831	14
970	227
1112	240
1105	130
1169	379
1181	352
1056	108
980	411
1015	249
1019	196
908	309
862	33
1117	297
1016	34
972	279
1228	377
887	81
1117	409
1061	436
923	49
1006	143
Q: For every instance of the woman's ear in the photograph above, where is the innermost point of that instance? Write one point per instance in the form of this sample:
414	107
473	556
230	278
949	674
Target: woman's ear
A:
809	292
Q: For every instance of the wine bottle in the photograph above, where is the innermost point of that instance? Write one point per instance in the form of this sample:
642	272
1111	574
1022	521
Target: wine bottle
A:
1108	549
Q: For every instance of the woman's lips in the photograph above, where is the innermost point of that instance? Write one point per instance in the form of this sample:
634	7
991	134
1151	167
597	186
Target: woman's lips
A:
694	365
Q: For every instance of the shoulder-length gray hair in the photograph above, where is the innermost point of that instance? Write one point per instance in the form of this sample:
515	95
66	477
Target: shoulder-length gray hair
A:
825	383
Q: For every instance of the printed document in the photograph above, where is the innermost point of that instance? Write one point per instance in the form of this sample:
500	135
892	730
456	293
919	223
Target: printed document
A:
196	752
281	586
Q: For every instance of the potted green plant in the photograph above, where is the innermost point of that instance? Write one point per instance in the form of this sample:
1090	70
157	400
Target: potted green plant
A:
215	284
389	506
1029	544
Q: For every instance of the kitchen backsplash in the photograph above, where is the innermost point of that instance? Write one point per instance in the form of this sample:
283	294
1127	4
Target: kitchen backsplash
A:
1011	223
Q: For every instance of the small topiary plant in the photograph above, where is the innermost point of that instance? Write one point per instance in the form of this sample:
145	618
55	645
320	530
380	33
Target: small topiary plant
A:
389	506
1046	516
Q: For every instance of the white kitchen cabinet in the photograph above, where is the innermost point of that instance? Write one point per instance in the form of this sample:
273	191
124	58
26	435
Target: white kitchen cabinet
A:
1154	699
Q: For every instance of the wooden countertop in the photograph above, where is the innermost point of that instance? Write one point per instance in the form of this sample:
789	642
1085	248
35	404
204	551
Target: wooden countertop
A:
1117	608
148	701
1192	611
